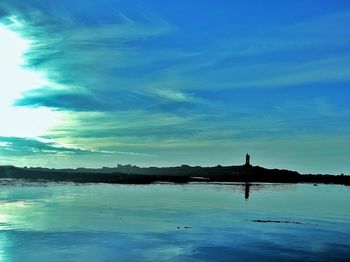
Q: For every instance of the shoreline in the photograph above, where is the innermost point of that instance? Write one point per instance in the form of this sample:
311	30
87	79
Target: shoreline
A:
177	175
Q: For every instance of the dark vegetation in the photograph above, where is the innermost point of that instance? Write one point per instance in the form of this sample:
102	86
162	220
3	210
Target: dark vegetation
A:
127	174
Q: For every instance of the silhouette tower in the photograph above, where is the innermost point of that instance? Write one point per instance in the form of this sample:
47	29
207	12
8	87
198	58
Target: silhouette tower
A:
247	160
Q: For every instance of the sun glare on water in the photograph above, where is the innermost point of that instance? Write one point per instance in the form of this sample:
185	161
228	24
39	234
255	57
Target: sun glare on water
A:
14	81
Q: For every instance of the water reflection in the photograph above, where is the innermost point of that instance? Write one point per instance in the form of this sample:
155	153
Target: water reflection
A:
246	191
192	222
247	188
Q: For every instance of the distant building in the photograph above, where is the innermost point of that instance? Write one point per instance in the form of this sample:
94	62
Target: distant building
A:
247	160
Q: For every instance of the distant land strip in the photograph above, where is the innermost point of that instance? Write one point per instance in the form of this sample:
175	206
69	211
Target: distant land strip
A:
127	174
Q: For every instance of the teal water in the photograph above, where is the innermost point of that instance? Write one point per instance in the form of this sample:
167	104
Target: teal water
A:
164	222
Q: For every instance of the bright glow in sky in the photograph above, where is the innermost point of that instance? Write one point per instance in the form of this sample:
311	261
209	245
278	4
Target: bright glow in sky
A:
14	81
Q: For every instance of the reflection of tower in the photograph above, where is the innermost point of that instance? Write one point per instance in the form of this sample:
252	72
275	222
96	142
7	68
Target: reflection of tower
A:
247	160
246	191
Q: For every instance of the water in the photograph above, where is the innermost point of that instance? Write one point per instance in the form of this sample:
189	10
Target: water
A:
163	222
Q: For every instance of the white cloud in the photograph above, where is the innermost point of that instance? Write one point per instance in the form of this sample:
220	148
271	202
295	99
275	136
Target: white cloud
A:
175	95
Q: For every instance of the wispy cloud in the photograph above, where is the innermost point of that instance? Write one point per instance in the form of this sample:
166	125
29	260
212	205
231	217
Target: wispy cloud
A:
110	66
15	146
25	146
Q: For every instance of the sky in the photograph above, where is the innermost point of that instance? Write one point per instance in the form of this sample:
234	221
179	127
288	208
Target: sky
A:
89	83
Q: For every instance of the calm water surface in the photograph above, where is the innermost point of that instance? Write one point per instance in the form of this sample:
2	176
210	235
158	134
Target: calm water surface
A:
163	222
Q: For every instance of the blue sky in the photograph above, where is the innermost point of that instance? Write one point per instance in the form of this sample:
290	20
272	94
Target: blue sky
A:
96	83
